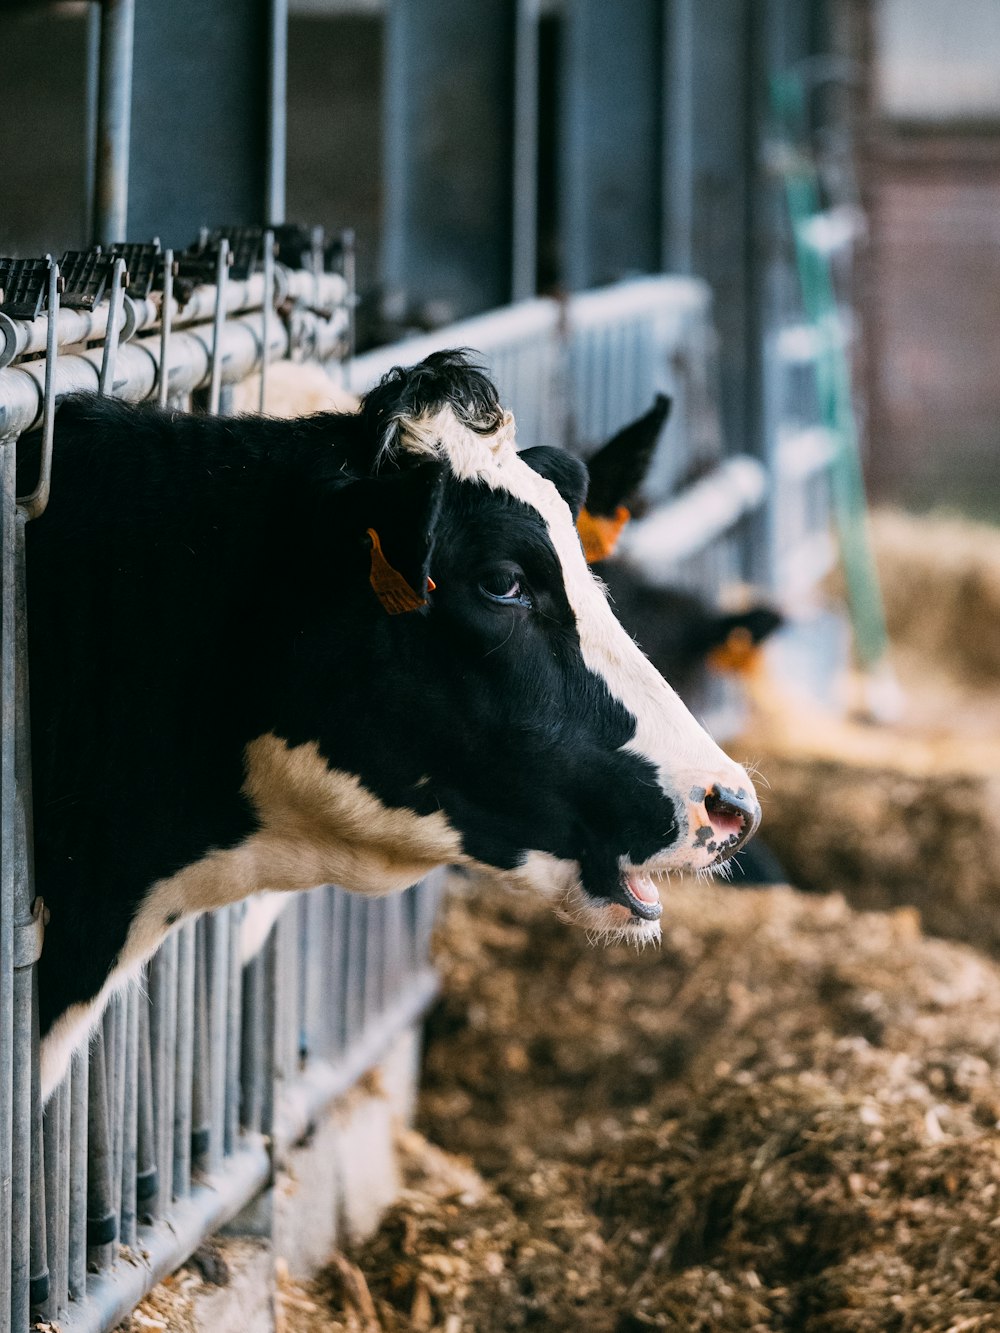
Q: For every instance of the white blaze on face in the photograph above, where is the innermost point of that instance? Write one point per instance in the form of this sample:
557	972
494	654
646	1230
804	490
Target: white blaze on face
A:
666	735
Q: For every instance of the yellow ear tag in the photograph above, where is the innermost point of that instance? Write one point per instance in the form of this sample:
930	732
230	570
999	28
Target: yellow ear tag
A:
600	535
388	584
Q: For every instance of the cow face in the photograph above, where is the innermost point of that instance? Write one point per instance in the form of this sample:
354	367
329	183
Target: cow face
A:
489	710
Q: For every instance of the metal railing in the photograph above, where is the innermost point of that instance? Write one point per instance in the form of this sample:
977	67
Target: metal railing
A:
203	1073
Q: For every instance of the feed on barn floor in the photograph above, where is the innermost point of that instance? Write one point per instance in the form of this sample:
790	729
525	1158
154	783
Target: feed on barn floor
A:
785	1121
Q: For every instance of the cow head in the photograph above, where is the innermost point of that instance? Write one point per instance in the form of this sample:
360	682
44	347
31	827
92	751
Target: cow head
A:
484	706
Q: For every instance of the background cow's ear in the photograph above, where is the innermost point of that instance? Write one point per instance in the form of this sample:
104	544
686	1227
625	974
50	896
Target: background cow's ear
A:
567	474
618	470
402	508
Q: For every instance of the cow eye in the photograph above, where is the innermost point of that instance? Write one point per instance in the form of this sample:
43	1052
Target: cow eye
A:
504	586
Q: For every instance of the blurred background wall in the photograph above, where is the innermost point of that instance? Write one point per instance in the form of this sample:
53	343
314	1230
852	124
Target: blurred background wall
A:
487	151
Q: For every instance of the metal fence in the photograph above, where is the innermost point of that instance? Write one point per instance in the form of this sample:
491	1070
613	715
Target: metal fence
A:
204	1072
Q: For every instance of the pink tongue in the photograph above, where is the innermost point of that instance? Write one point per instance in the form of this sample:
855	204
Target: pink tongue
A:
643	889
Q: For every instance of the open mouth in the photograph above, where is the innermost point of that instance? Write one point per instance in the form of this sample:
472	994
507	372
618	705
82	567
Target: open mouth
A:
641	895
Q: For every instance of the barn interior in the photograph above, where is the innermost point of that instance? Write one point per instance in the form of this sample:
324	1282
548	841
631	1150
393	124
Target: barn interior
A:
445	1110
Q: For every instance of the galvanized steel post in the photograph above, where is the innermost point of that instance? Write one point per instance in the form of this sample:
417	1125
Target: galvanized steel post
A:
114	117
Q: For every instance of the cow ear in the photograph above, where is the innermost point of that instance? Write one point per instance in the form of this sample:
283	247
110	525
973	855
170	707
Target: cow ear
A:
567	474
618	470
398	516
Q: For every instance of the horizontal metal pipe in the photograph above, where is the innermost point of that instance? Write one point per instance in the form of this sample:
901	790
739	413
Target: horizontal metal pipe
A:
698	516
165	1245
22	386
24	337
305	1099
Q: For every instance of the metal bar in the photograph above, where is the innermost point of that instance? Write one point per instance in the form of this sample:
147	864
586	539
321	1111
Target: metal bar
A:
102	1221
184	1055
35	503
129	1131
251	1061
146	1179
163	1037
26	1126
234	1010
77	1248
52	1169
277	99
217	932
166	326
524	193
266	310
114	115
42	1162
200	1095
215	373
13	1301
106	382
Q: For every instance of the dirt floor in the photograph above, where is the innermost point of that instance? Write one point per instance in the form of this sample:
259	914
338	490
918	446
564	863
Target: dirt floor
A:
783	1119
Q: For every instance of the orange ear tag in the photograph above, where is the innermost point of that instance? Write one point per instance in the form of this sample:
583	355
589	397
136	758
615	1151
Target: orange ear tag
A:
738	654
388	584
599	535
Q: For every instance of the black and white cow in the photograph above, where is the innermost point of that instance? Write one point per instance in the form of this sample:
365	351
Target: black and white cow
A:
270	654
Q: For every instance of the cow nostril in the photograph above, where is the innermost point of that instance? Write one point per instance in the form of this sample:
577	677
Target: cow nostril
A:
734	816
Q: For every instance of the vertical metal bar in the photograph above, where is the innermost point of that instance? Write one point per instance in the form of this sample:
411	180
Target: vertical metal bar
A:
201	1133
350	273
163	1037
315	947
184	1054
252	1055
115	1044
221	277
114	116
128	1132
102	1221
12	1303
217	932
166	322
354	981
277	97
677	171
77	1249
335	978
42	1189
61	1201
267	306
525	152
54	1170
35	503
146	1177
26	1126
268	1017
115	296
234	1009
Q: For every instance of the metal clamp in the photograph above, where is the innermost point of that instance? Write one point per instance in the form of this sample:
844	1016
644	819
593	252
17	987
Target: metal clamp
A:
29	937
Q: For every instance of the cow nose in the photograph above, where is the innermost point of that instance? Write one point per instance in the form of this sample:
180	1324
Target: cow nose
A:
727	819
